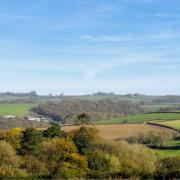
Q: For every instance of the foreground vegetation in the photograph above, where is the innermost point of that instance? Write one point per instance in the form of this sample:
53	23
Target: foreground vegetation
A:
55	154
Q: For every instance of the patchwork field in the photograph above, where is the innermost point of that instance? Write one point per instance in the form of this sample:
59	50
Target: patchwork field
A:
141	118
172	149
18	110
113	132
174	124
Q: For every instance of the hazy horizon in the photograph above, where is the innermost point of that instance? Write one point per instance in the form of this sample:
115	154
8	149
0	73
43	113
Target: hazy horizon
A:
84	46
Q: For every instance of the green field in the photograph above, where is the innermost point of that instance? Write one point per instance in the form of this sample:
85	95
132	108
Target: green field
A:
174	124
173	149
167	152
141	118
18	110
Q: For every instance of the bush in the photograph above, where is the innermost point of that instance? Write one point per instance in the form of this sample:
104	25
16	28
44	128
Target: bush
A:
8	155
135	160
34	167
99	164
169	167
7	172
152	139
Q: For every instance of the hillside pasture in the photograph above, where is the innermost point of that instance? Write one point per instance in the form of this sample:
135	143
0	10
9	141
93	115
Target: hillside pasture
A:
19	110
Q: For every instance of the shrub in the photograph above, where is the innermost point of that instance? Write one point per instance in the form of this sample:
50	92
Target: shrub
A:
99	164
169	167
8	155
7	172
152	139
135	160
34	167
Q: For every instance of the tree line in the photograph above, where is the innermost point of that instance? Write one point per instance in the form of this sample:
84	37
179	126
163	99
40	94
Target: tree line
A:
97	110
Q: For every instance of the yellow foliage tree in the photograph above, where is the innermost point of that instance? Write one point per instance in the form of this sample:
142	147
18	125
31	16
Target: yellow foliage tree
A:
62	159
14	137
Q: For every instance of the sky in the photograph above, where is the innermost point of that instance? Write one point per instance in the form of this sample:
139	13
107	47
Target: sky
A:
85	46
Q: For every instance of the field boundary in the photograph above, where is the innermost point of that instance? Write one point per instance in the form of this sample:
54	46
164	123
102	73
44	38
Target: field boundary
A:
164	126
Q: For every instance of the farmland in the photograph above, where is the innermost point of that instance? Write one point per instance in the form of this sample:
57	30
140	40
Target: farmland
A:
173	148
174	124
141	118
122	131
16	109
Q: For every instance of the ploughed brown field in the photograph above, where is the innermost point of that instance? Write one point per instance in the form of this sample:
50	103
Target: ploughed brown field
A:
116	131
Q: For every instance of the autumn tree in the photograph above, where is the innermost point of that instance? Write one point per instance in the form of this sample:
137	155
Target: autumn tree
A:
14	137
9	162
62	159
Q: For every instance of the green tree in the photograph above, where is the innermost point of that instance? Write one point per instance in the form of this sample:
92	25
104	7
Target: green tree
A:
99	165
30	141
84	139
82	119
54	131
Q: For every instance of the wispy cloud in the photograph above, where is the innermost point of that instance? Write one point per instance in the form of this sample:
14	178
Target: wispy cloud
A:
165	34
106	38
19	17
166	15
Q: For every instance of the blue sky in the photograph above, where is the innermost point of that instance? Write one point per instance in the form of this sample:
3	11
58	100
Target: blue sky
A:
85	46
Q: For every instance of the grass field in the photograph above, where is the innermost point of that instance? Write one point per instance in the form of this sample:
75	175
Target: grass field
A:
174	124
18	110
141	118
173	149
113	132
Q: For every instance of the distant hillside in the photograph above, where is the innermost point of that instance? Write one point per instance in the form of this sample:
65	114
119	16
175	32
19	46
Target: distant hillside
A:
65	111
167	99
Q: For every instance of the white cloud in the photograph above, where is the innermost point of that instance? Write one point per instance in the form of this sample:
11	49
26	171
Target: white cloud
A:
106	38
166	15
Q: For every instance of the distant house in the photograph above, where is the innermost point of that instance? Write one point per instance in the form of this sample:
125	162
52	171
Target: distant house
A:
32	118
